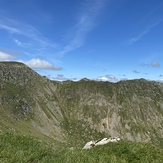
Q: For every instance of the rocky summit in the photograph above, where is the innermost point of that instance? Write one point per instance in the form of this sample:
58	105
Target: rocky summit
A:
73	113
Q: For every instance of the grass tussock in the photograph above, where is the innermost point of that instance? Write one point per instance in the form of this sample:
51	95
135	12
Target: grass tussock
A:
22	149
122	152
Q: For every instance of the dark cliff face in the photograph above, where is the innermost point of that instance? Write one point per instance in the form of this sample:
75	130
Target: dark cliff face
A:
79	111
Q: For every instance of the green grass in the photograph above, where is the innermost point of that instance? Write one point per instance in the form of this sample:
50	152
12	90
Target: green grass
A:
78	133
123	152
22	149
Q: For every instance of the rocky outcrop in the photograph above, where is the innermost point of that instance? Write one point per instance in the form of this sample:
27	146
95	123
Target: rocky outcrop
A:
17	74
103	141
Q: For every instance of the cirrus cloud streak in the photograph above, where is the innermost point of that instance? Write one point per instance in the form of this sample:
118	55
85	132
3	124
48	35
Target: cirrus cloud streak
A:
86	22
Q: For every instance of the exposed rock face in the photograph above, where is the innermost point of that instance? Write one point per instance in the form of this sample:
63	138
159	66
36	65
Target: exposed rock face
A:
79	111
17	73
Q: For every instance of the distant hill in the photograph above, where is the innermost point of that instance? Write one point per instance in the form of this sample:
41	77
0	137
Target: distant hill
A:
72	113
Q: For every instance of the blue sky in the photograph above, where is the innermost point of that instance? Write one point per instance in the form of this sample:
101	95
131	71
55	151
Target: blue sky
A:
108	40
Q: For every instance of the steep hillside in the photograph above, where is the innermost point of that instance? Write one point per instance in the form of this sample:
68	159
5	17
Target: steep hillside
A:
131	110
27	102
32	105
73	113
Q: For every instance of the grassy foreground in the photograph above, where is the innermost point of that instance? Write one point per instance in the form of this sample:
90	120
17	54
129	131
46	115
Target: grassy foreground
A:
22	149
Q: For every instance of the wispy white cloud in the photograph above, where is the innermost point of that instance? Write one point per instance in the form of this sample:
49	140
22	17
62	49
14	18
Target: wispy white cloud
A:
143	33
135	72
5	56
10	29
161	80
33	63
61	77
86	22
138	37
31	34
17	42
154	64
110	78
144	65
41	64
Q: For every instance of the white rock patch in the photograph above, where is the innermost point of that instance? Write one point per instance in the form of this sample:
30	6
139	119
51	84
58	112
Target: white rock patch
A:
103	141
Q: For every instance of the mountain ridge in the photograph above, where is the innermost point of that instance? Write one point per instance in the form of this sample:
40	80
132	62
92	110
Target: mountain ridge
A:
76	112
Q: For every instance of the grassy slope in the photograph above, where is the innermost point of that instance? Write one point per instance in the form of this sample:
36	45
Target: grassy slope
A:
82	104
14	148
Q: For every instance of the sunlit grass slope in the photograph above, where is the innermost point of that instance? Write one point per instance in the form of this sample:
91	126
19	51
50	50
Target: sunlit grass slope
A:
22	149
